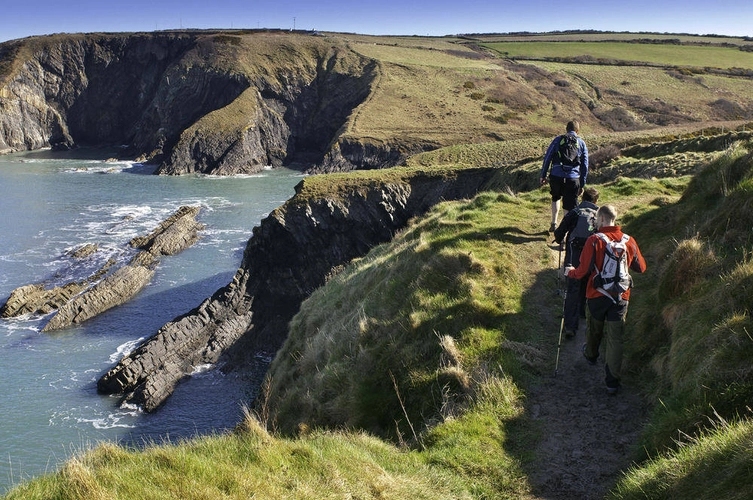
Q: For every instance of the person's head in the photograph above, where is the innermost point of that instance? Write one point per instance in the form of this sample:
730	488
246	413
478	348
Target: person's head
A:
590	194
573	126
606	215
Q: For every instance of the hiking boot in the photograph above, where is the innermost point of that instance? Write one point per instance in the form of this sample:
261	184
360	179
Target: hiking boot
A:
612	390
591	361
552	227
569	334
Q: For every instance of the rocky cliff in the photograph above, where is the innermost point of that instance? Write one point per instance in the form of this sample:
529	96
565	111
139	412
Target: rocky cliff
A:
290	254
191	102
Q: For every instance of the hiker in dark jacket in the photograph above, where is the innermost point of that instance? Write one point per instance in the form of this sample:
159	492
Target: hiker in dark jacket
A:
605	312
573	231
565	181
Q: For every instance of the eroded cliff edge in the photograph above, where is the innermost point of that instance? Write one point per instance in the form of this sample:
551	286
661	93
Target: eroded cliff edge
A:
289	255
190	102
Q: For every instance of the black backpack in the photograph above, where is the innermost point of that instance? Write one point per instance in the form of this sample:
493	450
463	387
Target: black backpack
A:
567	152
585	227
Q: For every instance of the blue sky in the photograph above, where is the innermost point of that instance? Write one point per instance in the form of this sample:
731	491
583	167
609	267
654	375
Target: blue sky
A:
21	18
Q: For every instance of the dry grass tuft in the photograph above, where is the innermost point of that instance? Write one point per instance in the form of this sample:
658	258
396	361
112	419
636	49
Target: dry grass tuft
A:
692	262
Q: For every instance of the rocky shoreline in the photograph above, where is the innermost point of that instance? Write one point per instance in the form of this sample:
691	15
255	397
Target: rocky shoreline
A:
77	301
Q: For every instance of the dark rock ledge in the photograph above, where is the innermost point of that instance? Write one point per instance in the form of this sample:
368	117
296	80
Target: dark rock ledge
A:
78	301
290	254
38	298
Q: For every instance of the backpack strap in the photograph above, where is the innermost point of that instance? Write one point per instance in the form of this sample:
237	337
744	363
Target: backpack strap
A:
603	237
625	238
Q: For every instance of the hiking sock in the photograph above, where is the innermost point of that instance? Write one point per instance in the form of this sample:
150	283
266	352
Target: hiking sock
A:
555	211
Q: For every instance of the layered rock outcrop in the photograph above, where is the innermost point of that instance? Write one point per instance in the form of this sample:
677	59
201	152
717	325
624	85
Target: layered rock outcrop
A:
77	301
190	102
115	289
290	254
38	298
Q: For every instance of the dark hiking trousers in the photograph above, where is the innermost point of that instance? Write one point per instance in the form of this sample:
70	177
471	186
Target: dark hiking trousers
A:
606	321
575	302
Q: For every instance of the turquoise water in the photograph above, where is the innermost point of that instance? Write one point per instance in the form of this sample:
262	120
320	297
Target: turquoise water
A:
53	202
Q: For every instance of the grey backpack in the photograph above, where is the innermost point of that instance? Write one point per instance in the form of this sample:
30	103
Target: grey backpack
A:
585	227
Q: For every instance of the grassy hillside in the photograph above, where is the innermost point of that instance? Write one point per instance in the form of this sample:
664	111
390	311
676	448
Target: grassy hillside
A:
431	93
430	343
409	374
723	57
449	91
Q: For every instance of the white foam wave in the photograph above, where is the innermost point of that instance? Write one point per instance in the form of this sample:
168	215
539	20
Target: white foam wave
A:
20	324
201	369
132	211
111	421
236	176
132	407
125	349
100	167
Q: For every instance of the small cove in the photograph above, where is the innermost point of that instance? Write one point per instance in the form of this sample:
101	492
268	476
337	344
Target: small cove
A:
54	202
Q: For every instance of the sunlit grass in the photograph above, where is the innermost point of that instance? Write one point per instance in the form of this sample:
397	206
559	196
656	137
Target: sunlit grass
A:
663	54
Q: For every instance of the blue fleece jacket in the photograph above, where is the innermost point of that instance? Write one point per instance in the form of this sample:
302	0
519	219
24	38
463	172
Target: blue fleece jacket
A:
577	172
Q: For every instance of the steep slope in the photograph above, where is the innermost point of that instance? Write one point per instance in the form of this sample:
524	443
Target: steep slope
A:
291	254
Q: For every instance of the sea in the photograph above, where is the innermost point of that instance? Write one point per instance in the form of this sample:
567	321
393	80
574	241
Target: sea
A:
54	202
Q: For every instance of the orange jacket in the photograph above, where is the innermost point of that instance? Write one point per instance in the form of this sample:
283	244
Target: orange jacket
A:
593	256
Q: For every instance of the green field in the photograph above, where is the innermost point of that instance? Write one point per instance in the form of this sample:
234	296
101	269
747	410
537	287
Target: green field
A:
659	54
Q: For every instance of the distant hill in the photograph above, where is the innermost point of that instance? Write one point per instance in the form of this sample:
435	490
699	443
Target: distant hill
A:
234	101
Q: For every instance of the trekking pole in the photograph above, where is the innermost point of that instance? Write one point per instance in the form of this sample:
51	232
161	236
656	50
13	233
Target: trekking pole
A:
559	341
562	327
559	272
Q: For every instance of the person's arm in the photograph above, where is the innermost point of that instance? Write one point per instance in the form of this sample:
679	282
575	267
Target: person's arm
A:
584	165
586	260
547	160
638	264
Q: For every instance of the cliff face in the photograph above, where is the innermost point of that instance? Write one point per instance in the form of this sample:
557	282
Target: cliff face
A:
79	90
290	254
191	102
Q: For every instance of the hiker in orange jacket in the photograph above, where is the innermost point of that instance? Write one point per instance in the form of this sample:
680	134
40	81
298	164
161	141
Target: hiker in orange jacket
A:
606	311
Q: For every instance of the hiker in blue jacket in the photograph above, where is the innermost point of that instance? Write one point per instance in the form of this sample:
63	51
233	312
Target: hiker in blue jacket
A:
568	157
576	226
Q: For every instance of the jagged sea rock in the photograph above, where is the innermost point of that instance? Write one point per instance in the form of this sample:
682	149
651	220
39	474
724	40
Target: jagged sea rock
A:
173	235
38	298
115	289
77	301
290	254
83	251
